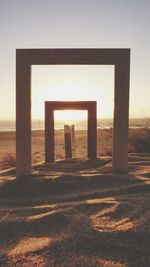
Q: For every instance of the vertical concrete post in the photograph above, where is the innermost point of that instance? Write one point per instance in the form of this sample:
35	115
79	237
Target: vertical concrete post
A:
92	131
49	134
121	117
73	139
23	117
68	143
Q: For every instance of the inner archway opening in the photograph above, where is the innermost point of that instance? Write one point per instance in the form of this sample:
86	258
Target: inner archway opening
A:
77	118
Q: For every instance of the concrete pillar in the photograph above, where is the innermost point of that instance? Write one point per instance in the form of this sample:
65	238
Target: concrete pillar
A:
121	117
49	135
92	131
23	117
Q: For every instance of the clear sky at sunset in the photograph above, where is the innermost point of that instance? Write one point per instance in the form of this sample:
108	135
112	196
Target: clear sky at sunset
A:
75	24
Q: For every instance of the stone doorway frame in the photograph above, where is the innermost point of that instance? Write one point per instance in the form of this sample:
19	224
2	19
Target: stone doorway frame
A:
51	106
25	58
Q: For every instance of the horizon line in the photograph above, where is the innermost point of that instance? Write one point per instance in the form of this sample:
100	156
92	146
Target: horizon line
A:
101	118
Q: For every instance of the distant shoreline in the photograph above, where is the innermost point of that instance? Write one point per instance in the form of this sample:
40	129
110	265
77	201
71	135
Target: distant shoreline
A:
9	125
77	129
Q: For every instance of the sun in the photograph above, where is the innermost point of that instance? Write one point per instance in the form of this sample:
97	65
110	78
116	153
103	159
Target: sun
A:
70	116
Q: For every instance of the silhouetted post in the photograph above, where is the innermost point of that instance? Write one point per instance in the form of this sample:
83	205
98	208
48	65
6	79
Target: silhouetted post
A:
68	143
73	140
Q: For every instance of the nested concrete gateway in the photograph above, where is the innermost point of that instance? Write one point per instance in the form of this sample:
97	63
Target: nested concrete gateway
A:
51	106
25	58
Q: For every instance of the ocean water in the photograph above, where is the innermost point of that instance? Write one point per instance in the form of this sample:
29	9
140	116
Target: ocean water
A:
9	125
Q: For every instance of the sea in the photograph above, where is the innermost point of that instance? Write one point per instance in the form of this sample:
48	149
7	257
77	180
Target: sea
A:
9	125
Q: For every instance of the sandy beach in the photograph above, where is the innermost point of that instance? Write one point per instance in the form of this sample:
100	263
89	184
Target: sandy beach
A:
104	144
7	144
75	213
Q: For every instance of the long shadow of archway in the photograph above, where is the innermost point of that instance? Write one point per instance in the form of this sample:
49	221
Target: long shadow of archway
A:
90	218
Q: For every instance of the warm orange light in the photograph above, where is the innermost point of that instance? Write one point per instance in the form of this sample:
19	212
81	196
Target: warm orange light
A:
70	116
73	83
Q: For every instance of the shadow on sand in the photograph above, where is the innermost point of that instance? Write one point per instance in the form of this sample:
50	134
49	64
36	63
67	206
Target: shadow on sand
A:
83	216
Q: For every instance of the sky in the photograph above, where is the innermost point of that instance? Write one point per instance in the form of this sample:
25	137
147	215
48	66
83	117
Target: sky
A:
75	24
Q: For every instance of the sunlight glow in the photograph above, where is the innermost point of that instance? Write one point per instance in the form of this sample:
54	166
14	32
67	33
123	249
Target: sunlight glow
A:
30	244
73	83
70	116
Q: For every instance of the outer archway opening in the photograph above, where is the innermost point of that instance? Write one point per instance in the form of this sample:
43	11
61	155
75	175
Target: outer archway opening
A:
25	58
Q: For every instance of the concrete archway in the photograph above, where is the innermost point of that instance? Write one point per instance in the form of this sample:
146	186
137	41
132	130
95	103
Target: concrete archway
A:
51	106
25	58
